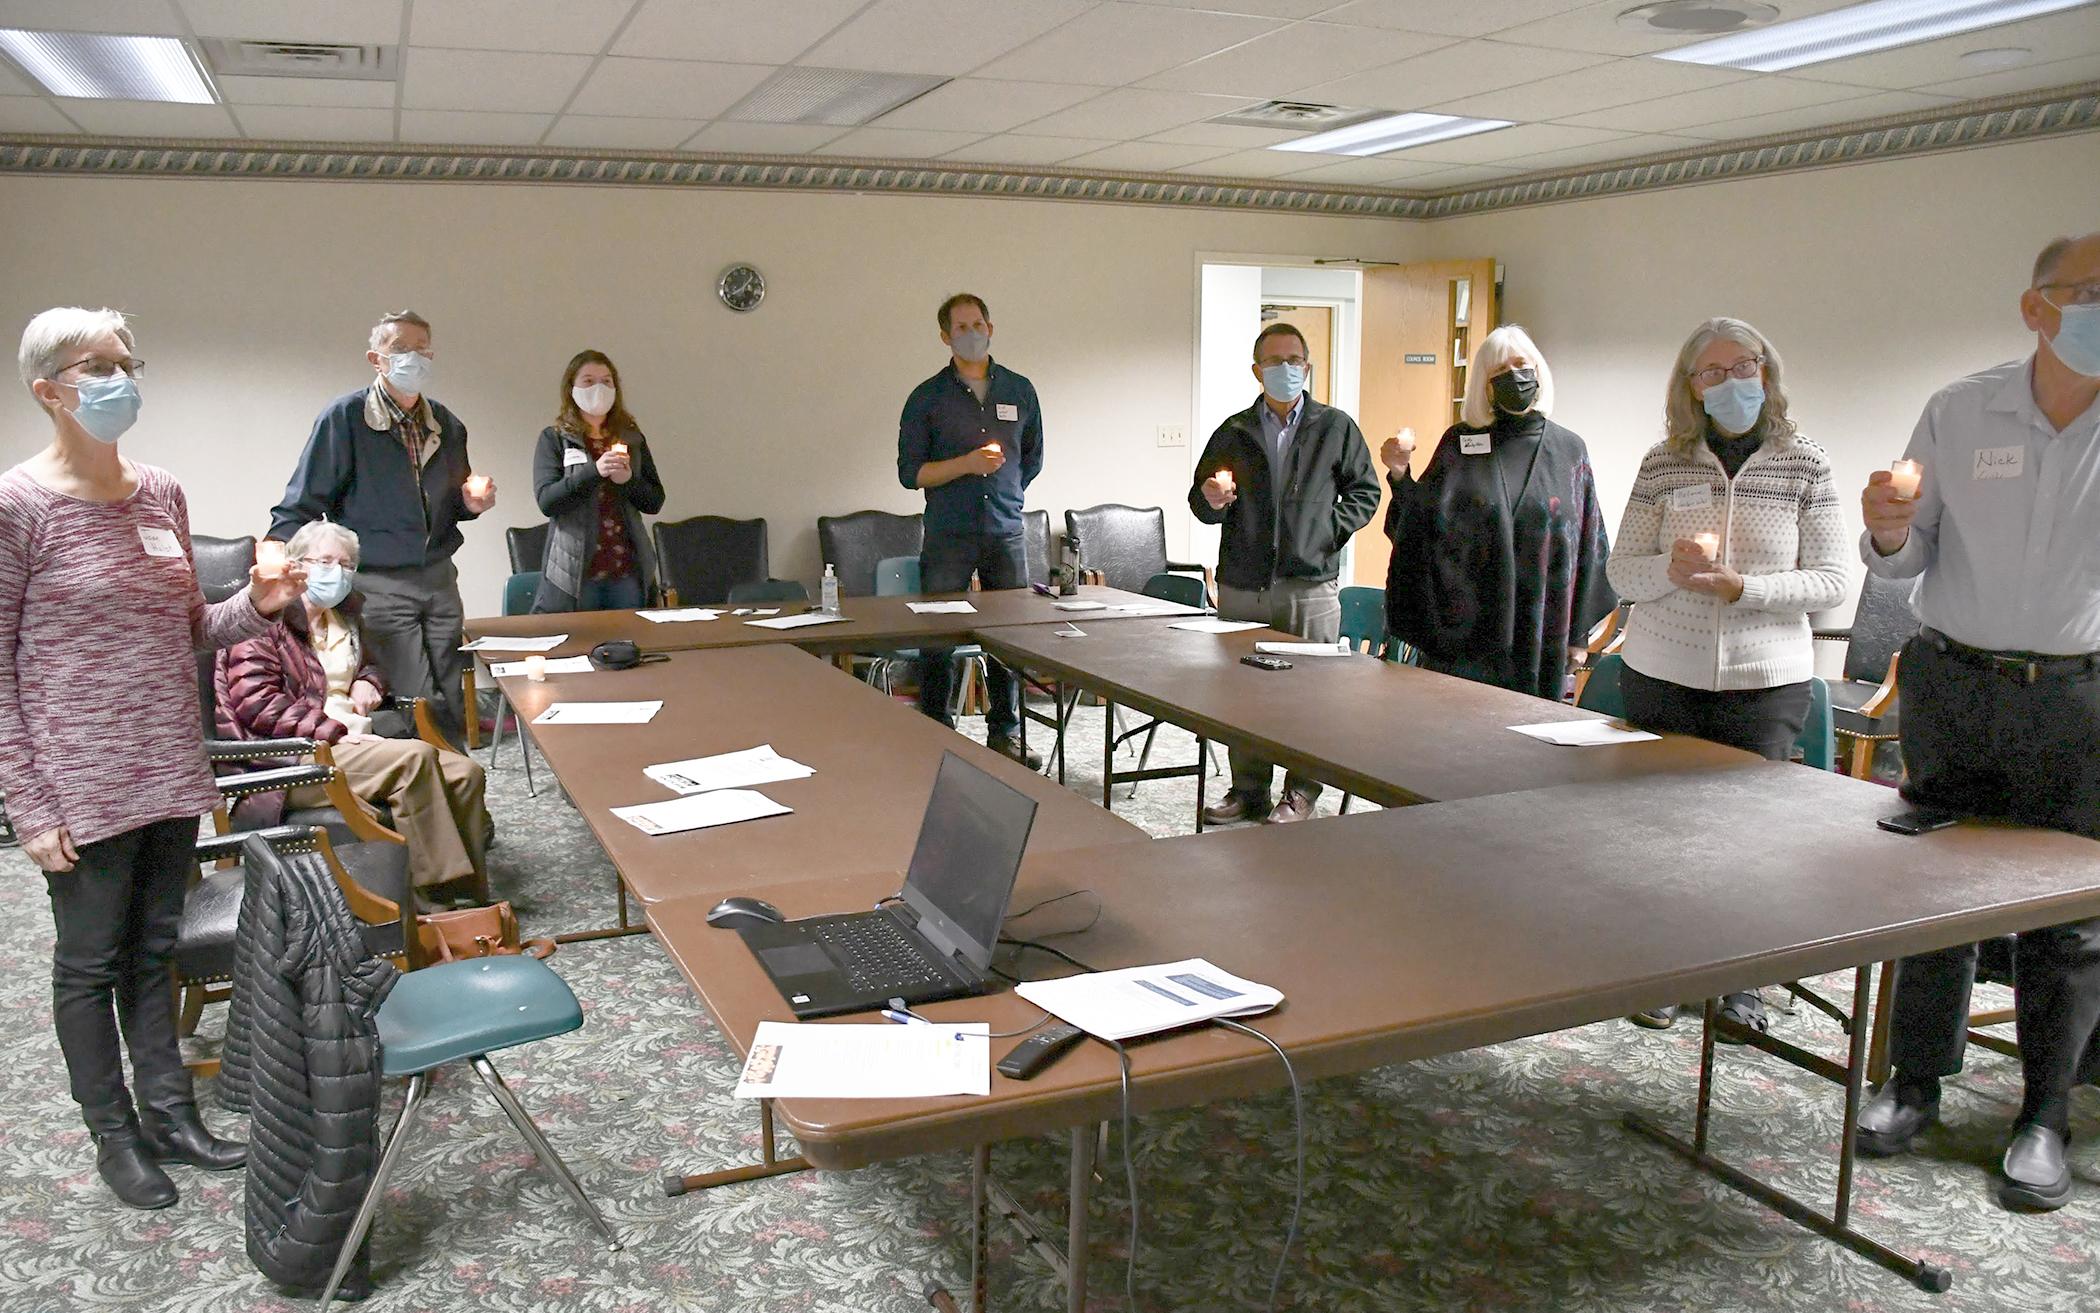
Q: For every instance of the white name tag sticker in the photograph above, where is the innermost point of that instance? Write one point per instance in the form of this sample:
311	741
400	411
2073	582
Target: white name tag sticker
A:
1692	499
571	456
1475	444
1005	411
2001	462
159	542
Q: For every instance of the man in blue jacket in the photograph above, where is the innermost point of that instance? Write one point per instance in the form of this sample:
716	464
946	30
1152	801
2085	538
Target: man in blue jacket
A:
972	437
391	465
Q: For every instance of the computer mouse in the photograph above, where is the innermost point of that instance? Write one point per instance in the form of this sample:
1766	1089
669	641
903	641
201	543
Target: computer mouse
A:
740	912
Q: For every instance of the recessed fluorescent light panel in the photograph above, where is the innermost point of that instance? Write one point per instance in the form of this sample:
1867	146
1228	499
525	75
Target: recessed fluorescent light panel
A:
92	66
834	97
1858	30
1393	132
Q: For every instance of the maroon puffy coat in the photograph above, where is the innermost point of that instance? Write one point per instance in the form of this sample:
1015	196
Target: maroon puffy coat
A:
273	687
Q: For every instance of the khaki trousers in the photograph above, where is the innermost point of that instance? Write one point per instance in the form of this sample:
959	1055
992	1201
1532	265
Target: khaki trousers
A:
438	800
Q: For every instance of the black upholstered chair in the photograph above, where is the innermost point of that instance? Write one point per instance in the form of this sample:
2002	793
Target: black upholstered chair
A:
528	547
1036	526
222	564
769	590
701	559
852	544
1863	704
1124	546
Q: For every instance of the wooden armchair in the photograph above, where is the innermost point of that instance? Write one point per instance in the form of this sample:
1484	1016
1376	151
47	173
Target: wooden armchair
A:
1864	704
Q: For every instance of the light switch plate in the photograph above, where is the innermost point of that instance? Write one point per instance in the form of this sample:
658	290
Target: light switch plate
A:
1173	435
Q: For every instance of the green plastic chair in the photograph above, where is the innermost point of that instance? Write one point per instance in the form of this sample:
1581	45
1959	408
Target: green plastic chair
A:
518	592
1817	743
898	576
1363	624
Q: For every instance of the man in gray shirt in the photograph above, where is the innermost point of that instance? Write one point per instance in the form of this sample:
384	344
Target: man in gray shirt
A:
2001	693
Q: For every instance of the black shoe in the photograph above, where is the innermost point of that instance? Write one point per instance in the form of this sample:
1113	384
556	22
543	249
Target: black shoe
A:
1888	1123
130	1172
179	1136
1006	745
1745	1010
2035	1178
1661	1018
1236	807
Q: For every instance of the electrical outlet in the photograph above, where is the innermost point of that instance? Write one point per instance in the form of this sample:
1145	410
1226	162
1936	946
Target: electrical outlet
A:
1173	435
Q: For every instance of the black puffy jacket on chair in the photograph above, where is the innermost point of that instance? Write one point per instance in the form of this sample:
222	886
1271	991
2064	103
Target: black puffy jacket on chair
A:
302	1052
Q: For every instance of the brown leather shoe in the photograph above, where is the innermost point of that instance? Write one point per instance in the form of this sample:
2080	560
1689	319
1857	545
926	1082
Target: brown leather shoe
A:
1294	807
1236	807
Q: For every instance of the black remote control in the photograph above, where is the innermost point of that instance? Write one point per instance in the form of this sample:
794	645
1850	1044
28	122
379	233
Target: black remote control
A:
1039	1050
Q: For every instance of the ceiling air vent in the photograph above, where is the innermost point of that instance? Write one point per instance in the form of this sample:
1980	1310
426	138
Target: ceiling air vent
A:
300	59
1296	116
1698	17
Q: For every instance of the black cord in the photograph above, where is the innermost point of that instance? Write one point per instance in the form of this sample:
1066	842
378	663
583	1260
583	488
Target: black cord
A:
1130	1178
1037	1024
1051	949
1060	934
1290	1237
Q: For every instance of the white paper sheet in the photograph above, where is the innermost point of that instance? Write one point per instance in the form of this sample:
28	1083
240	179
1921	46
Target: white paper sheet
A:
679	614
575	665
700	812
599	713
941	608
1151	608
728	770
797	621
1585	733
1210	624
1080	606
1341	648
791	1060
546	643
1144	1000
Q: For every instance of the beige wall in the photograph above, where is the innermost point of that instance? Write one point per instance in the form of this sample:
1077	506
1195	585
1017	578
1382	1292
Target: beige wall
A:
253	299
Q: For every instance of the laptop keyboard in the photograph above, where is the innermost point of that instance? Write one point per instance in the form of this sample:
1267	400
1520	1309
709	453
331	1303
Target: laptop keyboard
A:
877	954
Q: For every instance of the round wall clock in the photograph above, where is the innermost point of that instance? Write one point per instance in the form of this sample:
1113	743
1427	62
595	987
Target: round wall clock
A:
741	287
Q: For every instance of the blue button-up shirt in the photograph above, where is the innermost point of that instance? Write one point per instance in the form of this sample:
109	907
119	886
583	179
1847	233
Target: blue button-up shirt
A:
2007	537
1276	435
943	419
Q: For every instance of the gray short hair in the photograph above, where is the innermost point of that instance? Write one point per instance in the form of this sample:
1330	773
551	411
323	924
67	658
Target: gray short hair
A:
314	532
59	333
383	331
1497	349
1684	417
2045	264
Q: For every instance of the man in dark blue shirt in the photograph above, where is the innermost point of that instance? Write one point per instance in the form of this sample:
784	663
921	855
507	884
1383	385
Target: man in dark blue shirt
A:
972	437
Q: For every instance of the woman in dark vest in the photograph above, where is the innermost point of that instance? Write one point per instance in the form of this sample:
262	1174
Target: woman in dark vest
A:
1499	547
595	480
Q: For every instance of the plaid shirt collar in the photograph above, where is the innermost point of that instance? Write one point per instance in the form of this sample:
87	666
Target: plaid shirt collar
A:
418	431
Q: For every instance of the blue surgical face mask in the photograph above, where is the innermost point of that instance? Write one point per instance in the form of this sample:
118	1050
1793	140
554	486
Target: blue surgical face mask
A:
1283	382
108	406
970	344
409	372
327	585
1735	404
2077	340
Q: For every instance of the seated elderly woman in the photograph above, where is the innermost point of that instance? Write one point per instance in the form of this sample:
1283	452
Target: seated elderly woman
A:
309	676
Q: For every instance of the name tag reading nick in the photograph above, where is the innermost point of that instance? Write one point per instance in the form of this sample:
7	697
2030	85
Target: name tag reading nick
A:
2001	462
1475	444
1692	499
159	542
1005	411
571	456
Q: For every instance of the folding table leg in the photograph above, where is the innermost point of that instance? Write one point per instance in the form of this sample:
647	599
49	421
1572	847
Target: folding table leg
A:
623	927
770	1164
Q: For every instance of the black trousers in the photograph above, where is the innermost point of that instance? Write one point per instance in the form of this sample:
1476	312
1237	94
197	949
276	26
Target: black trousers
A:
117	913
1765	721
945	566
1976	741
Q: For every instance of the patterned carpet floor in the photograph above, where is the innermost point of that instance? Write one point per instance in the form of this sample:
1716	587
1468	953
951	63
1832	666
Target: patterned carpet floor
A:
1497	1179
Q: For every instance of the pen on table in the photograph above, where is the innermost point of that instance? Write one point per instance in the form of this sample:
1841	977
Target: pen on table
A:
904	1018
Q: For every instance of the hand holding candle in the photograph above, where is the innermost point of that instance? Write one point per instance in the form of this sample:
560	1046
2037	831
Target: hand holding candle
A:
1904	477
615	464
1709	543
1220	491
270	559
479	492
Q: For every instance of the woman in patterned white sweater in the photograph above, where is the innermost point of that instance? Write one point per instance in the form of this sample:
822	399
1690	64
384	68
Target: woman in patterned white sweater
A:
1732	537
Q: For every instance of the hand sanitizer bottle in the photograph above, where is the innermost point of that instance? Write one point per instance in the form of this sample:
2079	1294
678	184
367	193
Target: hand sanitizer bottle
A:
830	590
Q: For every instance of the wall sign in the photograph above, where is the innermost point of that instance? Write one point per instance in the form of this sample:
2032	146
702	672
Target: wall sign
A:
1420	358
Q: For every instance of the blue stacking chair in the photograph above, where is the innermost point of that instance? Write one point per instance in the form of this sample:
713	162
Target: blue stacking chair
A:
898	576
518	592
462	1012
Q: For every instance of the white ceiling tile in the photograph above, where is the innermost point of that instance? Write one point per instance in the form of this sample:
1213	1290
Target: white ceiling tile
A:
1508	144
1249	164
1447	17
348	93
1261	8
1296	56
1595	27
351	22
985	106
32	114
1119	43
144	118
1764	93
762	138
1143	157
1852	110
1467	68
310	123
453	127
731	31
1128	113
1373	172
666	88
137	17
1621	82
1025	150
897	143
621	133
1923	67
572	26
1608	152
1224	134
489	80
936	36
2028	77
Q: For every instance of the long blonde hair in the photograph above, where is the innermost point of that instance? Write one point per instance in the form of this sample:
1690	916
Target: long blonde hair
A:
1684	419
1496	350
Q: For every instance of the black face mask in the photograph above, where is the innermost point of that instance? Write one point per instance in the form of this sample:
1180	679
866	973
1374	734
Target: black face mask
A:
1515	389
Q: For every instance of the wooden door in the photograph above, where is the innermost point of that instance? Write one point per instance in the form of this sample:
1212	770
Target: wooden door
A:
1317	323
1421	324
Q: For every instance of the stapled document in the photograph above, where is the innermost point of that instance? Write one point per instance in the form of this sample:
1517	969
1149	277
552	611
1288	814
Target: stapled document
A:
701	811
728	770
678	615
1339	648
575	665
798	1060
797	621
545	643
599	713
1585	733
941	608
1144	1000
1210	624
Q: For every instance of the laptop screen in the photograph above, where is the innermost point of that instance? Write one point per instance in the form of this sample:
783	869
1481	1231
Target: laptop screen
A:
969	855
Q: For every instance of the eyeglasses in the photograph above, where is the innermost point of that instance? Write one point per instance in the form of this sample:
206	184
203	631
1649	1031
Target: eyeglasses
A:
309	562
1747	367
1270	362
99	367
2081	293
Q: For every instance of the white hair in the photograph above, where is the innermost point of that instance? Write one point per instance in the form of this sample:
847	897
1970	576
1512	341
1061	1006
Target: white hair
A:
313	532
1497	349
390	323
57	334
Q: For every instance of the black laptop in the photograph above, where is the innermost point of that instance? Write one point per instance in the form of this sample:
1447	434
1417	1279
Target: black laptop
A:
935	940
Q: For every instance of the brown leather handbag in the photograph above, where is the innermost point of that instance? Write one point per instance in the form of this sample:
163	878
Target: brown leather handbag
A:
476	932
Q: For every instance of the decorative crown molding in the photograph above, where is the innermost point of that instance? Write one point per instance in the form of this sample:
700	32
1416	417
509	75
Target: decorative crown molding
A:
1957	127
